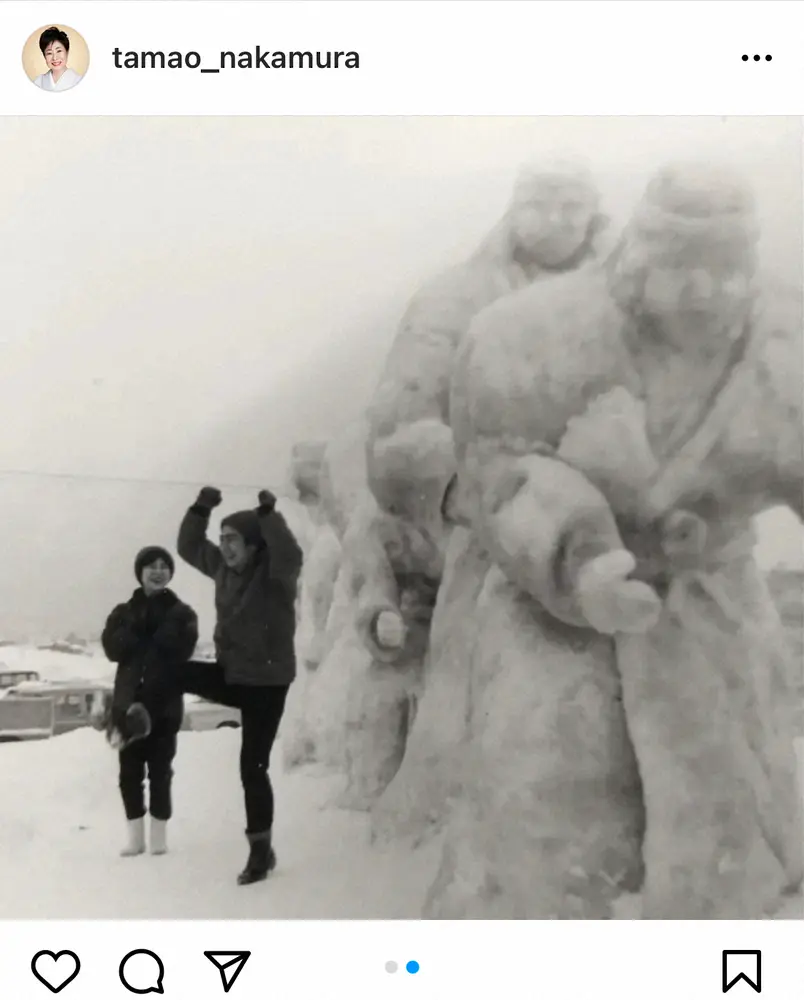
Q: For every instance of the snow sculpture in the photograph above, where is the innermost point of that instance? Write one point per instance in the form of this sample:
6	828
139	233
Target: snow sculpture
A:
629	705
553	225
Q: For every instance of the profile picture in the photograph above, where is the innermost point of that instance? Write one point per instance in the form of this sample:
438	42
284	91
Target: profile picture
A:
55	57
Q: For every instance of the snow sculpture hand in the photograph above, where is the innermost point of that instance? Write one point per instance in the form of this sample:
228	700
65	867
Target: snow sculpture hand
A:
611	602
390	630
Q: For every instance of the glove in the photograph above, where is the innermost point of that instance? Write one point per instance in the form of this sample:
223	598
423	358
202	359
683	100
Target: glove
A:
209	497
138	722
267	499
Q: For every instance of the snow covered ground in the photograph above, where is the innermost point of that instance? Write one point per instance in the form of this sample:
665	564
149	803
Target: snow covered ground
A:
61	827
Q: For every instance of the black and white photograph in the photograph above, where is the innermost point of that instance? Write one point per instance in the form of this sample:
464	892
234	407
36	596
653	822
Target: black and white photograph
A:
402	518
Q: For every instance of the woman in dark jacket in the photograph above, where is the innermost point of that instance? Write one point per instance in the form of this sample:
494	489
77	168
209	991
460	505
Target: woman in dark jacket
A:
147	635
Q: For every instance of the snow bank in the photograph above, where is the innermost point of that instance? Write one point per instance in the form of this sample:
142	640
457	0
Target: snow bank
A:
53	665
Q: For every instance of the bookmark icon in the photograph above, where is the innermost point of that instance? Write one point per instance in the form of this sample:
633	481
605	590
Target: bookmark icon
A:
745	966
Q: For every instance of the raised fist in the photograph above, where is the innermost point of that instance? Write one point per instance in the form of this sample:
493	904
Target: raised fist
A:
390	630
267	499
209	497
611	602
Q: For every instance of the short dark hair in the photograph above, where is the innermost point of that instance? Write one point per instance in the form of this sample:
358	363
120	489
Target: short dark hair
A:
51	35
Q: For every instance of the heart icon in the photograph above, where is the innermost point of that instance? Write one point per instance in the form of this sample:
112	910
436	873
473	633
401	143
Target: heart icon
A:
44	967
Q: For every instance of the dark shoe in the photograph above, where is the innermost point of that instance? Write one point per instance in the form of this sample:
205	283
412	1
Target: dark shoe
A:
261	859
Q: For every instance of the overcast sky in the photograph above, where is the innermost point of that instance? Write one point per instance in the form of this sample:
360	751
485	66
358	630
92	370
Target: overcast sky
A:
185	297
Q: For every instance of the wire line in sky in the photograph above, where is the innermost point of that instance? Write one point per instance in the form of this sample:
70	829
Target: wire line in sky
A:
90	477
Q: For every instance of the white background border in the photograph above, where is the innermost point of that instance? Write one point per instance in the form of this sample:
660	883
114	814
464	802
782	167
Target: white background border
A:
454	58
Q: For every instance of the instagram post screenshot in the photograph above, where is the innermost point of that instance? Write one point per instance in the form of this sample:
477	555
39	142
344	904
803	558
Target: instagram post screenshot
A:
401	489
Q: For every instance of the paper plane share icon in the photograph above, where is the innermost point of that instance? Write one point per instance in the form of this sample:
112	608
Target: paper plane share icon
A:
229	964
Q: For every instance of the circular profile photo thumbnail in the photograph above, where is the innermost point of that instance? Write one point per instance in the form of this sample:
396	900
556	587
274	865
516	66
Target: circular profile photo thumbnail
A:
55	57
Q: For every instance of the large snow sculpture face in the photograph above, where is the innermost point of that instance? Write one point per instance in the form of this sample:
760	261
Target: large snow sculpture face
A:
552	214
687	258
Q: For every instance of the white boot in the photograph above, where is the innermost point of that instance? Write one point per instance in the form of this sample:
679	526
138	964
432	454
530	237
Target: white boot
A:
136	839
158	836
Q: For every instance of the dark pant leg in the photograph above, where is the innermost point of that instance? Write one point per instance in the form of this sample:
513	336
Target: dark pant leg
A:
205	680
159	756
261	711
194	677
132	777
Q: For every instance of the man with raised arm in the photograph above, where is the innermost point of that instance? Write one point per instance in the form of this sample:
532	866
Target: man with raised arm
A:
256	570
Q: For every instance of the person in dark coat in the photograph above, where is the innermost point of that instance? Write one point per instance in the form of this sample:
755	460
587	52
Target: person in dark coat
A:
256	572
145	636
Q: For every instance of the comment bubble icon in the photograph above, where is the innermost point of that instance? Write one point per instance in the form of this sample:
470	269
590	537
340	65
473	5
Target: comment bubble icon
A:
142	971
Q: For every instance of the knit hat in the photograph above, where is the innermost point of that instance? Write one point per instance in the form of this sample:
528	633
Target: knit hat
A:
149	555
247	525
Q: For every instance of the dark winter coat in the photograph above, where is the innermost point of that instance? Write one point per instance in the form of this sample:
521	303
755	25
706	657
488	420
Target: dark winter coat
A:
256	608
146	636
